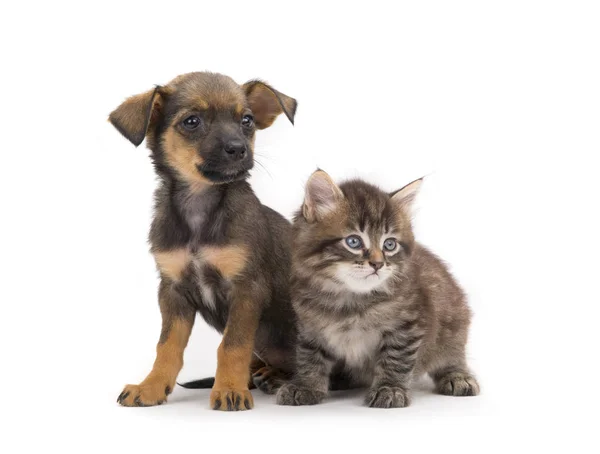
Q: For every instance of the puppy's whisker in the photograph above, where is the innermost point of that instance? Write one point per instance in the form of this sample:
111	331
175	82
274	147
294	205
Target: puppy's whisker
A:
266	170
263	156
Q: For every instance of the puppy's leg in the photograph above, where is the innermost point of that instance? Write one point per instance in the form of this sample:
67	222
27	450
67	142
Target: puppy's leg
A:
177	321
234	355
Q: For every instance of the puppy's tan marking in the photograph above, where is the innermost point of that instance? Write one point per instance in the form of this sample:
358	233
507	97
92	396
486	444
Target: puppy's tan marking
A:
169	353
173	263
230	391
183	157
225	99
229	260
234	357
233	366
199	102
169	361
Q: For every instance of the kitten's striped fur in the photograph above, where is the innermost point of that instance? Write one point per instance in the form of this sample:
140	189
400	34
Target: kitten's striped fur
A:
371	317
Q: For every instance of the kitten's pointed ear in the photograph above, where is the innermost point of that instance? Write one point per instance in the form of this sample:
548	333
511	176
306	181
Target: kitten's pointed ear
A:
133	117
404	198
322	196
267	103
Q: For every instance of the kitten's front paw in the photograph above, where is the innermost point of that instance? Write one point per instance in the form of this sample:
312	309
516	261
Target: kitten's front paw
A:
290	394
387	397
458	384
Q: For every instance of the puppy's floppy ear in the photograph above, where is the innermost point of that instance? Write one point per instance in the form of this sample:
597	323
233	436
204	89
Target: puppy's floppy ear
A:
322	196
404	197
133	117
267	103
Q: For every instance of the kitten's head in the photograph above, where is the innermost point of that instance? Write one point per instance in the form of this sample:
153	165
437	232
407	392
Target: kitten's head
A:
353	236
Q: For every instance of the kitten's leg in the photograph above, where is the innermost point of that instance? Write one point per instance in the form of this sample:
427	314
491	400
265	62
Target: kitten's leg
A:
393	370
455	380
311	382
450	372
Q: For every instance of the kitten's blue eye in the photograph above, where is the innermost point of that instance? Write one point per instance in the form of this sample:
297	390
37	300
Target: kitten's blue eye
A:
390	244
354	242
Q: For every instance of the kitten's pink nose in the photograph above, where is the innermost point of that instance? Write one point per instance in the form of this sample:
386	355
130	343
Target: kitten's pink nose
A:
376	265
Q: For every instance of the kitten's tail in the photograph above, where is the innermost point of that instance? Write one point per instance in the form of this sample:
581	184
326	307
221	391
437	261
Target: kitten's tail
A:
203	383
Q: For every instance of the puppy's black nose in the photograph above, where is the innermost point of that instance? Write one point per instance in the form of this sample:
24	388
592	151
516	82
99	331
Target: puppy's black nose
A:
235	149
376	265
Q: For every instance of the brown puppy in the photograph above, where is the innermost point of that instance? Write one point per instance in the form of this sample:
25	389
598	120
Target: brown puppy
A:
219	251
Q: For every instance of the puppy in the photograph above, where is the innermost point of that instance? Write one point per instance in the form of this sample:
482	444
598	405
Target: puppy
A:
219	251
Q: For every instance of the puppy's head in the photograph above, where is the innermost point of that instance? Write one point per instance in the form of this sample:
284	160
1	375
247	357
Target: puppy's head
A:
201	126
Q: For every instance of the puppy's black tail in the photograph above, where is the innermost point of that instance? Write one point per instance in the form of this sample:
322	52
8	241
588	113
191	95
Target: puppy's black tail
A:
203	383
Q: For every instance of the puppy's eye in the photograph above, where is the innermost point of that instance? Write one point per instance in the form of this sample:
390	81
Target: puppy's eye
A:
191	122
390	244
247	121
354	241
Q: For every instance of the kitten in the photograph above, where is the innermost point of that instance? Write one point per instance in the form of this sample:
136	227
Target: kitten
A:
374	307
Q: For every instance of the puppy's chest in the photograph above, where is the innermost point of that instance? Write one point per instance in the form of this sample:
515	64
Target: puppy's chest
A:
357	338
208	268
227	260
210	258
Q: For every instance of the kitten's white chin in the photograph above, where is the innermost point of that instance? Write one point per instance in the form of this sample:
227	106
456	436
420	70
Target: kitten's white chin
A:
361	280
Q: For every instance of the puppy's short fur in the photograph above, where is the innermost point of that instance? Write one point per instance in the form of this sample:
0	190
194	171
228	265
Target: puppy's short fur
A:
219	251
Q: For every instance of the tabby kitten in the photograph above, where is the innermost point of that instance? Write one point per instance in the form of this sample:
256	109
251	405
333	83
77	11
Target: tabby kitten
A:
375	308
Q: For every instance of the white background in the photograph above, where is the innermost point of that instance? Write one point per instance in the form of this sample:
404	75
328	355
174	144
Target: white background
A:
498	103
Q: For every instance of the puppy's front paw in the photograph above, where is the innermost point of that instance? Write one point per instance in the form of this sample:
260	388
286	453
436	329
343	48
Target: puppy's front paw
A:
387	397
146	394
458	384
290	394
231	399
